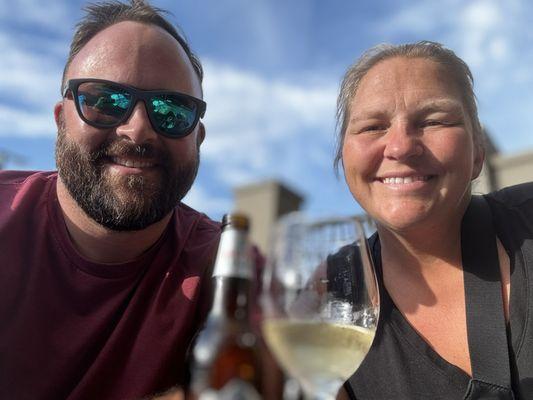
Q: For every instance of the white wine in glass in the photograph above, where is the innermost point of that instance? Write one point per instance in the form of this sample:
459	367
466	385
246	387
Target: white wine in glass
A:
320	301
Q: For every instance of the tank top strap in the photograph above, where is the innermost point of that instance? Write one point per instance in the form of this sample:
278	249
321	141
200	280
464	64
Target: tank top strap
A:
486	327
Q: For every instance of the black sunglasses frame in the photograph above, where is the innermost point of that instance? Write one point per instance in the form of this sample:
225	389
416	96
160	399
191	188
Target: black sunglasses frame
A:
136	95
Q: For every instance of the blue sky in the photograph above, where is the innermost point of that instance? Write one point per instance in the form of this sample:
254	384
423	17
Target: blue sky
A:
272	70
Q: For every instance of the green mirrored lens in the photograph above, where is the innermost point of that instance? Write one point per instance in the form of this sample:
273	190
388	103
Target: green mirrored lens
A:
103	103
174	115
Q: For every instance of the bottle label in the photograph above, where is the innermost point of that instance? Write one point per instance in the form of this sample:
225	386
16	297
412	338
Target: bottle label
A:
236	389
233	256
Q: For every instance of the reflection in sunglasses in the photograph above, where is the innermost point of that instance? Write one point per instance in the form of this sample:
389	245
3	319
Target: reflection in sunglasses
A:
105	104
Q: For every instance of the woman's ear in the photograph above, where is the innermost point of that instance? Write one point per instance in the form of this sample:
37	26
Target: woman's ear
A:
479	159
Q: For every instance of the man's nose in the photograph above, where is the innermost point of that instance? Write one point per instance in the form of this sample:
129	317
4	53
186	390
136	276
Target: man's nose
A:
137	127
403	142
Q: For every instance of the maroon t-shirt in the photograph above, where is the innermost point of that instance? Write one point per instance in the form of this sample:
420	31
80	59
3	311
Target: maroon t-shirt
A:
73	329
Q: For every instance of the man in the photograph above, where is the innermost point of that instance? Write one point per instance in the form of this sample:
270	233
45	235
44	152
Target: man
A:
103	268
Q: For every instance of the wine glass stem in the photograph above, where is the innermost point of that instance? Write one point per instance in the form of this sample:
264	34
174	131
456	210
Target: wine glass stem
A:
321	397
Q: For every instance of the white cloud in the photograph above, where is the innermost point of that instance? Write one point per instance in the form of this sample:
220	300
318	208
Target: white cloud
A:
235	96
29	84
199	199
25	123
250	118
499	49
418	17
481	15
52	15
479	30
479	26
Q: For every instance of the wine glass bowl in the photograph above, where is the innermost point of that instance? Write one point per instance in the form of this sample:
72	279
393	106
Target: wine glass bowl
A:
320	300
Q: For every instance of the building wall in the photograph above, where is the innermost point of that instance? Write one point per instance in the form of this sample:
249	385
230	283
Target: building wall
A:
265	202
513	169
504	170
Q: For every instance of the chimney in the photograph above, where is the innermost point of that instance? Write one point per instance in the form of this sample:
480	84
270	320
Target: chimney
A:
265	202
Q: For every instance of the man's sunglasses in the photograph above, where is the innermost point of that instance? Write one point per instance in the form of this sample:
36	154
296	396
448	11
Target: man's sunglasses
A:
106	104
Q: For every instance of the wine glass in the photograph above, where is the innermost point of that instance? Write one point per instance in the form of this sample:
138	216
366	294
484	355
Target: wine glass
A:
320	301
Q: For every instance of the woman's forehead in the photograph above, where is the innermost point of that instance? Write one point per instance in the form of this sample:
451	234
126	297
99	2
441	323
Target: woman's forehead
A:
417	82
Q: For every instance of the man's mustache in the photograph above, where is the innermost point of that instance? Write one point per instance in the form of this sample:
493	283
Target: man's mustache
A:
123	148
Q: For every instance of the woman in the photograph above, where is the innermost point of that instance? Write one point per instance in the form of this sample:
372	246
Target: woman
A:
410	144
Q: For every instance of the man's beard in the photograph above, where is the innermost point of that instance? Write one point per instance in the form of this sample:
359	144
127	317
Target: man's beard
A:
122	203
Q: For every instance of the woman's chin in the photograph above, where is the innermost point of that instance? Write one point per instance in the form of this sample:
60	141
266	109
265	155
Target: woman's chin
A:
408	223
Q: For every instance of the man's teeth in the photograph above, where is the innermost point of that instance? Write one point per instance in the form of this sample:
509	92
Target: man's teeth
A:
407	179
132	163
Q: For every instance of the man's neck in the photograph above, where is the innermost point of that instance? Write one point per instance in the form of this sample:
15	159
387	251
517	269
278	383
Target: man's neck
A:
101	245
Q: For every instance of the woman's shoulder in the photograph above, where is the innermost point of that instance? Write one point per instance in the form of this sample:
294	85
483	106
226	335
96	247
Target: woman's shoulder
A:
514	196
512	209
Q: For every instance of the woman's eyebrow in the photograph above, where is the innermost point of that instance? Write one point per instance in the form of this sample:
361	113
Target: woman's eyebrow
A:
442	105
364	115
425	107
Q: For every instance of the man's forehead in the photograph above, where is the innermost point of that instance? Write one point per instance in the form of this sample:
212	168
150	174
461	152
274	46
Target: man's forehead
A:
127	35
133	47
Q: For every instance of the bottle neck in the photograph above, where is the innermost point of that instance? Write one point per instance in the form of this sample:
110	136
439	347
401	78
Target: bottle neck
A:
233	256
231	298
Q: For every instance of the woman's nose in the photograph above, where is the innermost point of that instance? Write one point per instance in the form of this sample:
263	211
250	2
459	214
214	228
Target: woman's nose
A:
403	142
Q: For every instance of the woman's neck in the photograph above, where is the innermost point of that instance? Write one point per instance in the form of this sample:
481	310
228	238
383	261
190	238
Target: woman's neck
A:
415	248
421	267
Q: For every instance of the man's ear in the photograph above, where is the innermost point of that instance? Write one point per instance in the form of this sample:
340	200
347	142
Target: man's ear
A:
58	113
201	134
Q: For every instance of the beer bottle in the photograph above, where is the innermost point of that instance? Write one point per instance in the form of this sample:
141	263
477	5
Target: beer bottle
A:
225	357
